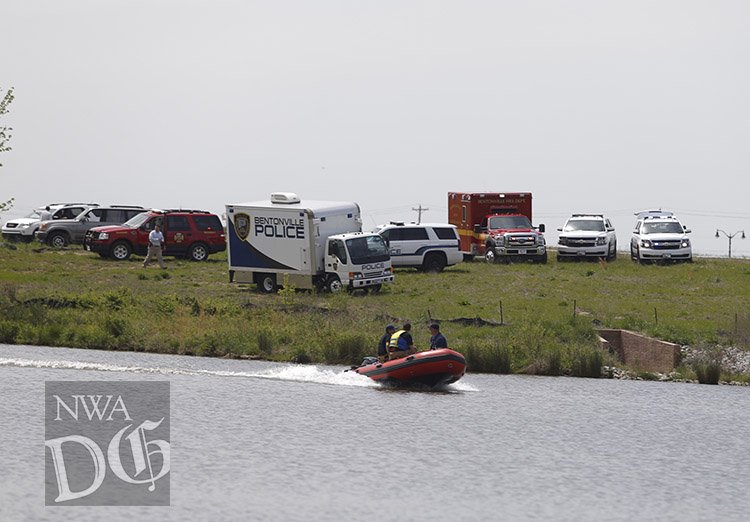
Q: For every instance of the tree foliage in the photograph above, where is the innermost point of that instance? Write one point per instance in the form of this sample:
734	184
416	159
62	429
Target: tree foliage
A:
5	135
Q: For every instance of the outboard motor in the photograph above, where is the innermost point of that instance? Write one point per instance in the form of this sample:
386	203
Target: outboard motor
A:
369	360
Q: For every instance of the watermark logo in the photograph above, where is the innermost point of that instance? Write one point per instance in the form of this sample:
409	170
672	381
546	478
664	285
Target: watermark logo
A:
107	443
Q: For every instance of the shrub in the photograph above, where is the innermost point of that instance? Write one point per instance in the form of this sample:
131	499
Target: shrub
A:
587	363
115	326
8	332
708	372
345	349
265	342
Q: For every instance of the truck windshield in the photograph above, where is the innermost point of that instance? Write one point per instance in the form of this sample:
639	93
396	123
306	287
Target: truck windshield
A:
367	249
670	227
496	222
593	225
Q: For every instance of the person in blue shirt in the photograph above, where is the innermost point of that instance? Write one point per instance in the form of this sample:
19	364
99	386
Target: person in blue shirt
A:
383	343
437	340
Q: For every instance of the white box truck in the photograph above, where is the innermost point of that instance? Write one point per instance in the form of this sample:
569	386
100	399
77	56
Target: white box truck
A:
308	244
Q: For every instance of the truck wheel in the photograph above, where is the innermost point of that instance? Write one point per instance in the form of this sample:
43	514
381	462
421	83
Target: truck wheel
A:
198	252
58	240
542	259
375	289
267	283
489	256
334	284
121	250
611	256
434	263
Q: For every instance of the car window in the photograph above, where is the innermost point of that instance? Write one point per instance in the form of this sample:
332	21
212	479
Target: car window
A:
115	216
207	222
395	234
445	232
149	225
337	249
414	234
130	214
175	223
95	215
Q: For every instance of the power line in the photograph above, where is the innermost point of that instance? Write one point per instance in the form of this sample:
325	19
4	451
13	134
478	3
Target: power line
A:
420	209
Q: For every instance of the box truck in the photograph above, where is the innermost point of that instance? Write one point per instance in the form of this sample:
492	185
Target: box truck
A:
497	225
307	244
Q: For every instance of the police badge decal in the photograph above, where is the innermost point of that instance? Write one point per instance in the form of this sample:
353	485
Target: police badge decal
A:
107	443
242	225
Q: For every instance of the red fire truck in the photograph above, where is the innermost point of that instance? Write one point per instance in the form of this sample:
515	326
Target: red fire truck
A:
497	225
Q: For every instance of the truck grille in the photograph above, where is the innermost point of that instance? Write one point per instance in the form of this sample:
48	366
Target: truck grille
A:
666	245
373	274
580	242
519	241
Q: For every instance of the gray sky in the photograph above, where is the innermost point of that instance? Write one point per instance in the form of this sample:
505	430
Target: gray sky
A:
609	106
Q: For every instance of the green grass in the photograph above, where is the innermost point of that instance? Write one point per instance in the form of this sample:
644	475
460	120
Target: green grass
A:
73	298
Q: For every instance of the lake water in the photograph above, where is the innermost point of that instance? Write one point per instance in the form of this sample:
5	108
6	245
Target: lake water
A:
261	441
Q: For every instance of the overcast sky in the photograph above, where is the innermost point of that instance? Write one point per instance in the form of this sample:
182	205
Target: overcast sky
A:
591	105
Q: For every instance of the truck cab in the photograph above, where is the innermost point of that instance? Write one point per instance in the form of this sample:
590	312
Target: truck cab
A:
357	261
512	237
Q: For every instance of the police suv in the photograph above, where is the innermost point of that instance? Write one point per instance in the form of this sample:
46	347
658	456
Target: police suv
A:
426	246
587	235
659	236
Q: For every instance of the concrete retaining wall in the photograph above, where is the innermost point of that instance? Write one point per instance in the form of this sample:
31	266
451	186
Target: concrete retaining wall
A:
640	352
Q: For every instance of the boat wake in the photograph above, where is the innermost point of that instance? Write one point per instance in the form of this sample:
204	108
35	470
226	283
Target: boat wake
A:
283	373
296	373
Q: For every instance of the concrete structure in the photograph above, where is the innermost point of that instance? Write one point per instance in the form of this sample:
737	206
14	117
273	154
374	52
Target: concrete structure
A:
640	352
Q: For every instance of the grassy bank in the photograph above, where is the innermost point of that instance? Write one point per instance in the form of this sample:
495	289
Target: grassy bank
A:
504	318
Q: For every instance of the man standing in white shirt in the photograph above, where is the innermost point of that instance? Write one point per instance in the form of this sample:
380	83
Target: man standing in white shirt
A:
155	244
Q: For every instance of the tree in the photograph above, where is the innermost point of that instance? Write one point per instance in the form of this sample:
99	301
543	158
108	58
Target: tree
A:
5	136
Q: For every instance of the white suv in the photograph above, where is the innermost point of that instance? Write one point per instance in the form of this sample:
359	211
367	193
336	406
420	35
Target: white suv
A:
587	235
659	236
23	229
426	246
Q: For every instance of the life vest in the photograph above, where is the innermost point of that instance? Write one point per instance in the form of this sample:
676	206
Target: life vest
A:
397	342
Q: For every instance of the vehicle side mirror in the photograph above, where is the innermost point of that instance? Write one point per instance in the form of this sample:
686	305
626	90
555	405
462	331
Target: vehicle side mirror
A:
541	227
477	229
559	229
687	230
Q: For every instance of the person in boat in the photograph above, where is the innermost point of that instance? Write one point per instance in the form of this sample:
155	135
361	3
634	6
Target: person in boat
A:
437	339
401	343
383	343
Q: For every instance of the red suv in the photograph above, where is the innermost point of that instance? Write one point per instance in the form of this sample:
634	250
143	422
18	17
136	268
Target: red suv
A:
187	233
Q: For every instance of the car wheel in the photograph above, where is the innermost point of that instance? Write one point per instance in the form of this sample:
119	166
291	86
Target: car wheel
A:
267	283
334	284
489	256
58	240
633	253
121	251
434	263
198	252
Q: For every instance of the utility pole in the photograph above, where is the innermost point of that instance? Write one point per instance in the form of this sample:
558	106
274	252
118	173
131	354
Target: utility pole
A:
420	209
730	236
